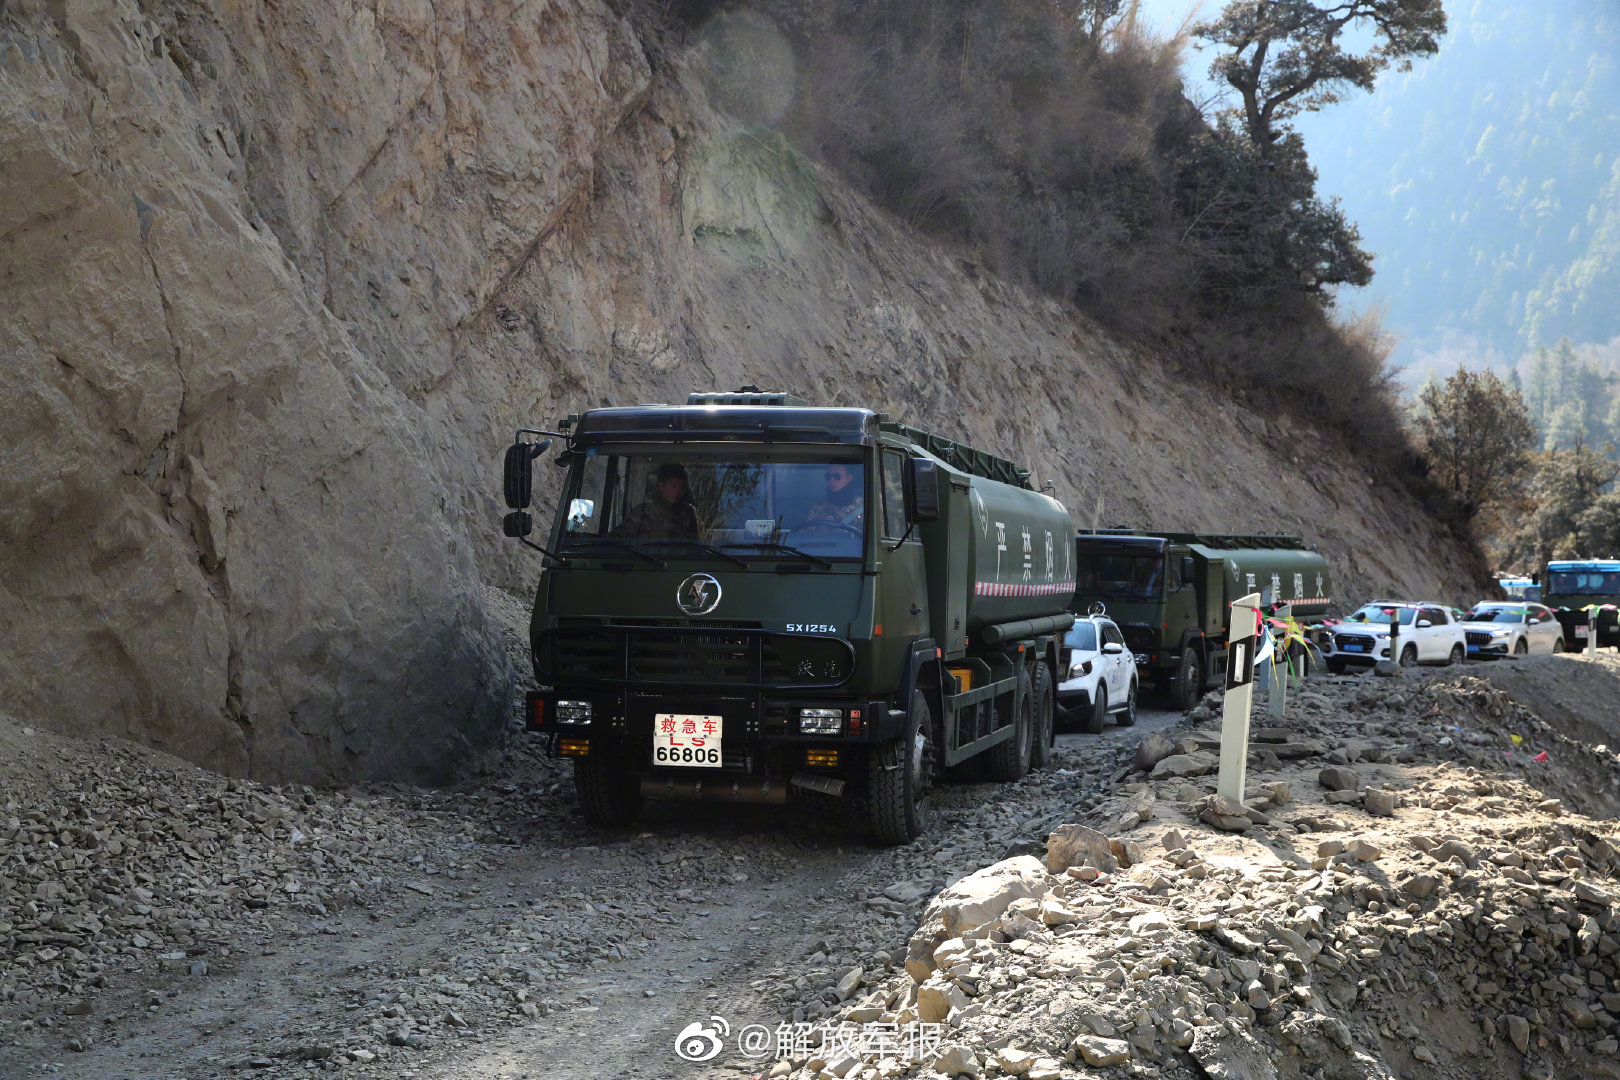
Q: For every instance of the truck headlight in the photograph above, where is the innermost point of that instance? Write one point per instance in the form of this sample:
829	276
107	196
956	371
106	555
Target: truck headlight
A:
573	712
821	721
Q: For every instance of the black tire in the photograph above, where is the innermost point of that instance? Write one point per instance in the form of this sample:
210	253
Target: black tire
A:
1099	711
1521	647
1045	719
609	794
1126	717
1189	686
1335	665
1009	759
899	775
1409	655
1458	654
1558	645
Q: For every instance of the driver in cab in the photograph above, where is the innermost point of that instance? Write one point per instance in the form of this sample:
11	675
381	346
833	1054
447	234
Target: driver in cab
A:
844	502
669	514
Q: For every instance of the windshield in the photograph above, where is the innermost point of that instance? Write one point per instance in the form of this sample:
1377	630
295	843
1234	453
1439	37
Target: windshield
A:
1375	613
673	503
1082	636
1501	615
1129	577
1583	583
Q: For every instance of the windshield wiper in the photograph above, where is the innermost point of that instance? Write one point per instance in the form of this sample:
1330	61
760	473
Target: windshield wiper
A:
632	549
709	549
789	549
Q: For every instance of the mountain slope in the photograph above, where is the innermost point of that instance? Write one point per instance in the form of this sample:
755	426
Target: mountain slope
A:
284	279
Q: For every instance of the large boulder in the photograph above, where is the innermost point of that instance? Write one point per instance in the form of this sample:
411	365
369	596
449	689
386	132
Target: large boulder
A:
972	903
1078	845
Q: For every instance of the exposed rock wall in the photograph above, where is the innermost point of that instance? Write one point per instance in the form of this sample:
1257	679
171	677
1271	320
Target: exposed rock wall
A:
278	280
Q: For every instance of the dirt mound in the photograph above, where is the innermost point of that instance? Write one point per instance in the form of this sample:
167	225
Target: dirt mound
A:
1404	887
1577	695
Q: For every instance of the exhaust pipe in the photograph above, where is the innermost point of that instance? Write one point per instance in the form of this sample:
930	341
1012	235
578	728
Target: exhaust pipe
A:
737	791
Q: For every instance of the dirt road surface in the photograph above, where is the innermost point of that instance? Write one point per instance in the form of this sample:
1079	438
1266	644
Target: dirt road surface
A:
548	950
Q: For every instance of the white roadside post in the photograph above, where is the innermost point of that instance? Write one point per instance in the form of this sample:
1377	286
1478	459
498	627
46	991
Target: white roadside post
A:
1239	698
1591	631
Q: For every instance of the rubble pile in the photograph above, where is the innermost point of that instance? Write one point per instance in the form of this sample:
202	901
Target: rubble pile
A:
1404	890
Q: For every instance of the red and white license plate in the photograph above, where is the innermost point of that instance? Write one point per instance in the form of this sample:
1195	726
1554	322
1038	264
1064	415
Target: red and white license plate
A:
687	739
1580	631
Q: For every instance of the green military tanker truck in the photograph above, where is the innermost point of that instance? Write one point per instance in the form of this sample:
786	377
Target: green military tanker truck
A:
1171	595
750	599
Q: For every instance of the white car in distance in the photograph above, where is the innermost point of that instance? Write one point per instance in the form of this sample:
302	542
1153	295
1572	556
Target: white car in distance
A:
1427	634
1512	629
1099	679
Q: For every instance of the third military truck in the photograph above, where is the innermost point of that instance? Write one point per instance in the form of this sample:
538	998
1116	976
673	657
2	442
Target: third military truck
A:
1171	594
747	598
1585	594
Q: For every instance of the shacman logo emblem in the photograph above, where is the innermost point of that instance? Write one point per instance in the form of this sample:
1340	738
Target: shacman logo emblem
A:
698	594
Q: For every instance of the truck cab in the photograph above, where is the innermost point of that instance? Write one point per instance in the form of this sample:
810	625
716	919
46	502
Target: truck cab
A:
1585	595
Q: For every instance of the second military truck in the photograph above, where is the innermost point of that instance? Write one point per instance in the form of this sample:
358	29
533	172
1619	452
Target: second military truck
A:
1171	595
746	598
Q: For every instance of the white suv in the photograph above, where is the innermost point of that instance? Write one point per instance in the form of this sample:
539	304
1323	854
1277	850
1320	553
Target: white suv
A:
1099	676
1428	634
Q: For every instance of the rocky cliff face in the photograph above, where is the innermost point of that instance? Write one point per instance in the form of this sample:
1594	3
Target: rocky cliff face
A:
279	280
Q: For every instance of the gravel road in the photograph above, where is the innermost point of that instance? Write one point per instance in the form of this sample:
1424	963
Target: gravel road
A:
548	950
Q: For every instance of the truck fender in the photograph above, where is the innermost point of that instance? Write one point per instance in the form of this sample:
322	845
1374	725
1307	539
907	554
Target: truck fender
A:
1195	639
921	673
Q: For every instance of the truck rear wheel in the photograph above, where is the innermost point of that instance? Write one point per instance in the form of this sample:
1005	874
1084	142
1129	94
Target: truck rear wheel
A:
898	777
608	793
1189	680
1045	718
1009	760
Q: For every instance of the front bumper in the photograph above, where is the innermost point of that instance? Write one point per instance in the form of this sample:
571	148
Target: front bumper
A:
1078	693
759	737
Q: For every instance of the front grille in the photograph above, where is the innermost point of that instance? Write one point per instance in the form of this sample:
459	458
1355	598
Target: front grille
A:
1476	637
697	654
681	657
1343	640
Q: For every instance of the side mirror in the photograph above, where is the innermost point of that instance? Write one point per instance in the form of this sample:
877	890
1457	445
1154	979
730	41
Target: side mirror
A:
517	524
924	490
519	473
1112	648
1188	571
1424	624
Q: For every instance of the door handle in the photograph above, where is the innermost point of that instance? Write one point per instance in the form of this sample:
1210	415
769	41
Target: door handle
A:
915	610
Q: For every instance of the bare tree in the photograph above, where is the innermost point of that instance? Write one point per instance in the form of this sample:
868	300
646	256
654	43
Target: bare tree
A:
1478	436
1288	56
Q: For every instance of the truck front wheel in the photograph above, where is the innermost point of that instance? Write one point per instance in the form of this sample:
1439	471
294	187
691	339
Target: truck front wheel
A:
1009	760
609	793
898	777
1045	718
1189	680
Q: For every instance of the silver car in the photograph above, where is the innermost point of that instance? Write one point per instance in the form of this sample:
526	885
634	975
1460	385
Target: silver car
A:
1513	628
